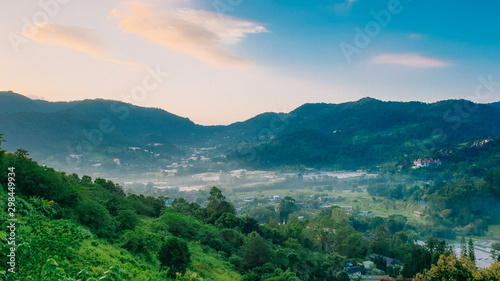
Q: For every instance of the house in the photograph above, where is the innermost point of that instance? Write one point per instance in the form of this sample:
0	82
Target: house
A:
368	264
249	199
424	163
481	143
418	213
355	270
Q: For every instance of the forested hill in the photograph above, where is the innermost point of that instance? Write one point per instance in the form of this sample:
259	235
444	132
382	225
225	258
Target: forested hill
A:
368	132
78	228
352	134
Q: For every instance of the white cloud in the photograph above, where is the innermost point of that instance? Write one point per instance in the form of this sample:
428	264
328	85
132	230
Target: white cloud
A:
199	34
409	60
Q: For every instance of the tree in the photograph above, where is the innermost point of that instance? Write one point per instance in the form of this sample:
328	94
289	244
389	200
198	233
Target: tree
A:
449	268
286	207
255	251
22	153
86	179
217	205
1	150
110	186
495	252
180	225
417	259
142	241
343	276
185	207
95	216
463	248
127	219
471	254
175	255
228	220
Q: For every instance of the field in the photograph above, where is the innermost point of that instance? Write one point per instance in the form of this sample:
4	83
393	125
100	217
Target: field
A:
346	192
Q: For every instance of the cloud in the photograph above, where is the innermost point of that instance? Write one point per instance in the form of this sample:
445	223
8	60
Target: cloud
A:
75	38
409	60
199	34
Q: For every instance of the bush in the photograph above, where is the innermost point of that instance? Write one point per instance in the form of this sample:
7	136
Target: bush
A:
175	254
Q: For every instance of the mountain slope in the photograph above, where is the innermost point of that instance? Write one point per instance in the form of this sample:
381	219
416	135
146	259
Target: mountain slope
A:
364	132
369	132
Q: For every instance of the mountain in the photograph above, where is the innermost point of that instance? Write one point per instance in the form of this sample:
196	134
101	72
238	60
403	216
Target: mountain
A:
352	134
97	128
495	104
369	132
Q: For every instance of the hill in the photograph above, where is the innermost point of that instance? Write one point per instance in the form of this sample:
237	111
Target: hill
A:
370	132
348	135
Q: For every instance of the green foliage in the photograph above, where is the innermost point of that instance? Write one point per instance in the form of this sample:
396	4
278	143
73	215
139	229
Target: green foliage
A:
286	207
417	260
470	251
104	230
255	252
280	275
188	276
52	272
495	251
127	219
96	217
217	205
179	225
174	254
184	207
142	241
110	186
449	268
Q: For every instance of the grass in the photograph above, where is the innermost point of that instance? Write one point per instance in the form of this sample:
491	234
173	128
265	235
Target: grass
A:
209	266
494	231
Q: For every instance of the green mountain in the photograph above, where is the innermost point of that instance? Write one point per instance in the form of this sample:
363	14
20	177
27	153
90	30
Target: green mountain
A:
369	132
101	128
348	135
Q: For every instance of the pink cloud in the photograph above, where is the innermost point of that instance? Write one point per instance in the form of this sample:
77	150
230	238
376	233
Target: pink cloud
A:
75	38
199	34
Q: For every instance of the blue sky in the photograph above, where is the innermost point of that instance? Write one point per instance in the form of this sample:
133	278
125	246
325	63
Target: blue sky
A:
228	60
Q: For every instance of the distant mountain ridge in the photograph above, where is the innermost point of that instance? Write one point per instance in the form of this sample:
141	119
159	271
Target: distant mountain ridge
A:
321	133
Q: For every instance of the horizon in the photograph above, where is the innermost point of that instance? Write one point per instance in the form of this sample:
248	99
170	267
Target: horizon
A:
227	61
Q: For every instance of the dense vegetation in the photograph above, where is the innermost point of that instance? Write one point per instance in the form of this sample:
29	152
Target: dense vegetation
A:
366	133
464	192
71	228
350	135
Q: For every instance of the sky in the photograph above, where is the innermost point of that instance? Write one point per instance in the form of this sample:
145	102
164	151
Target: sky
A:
222	61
